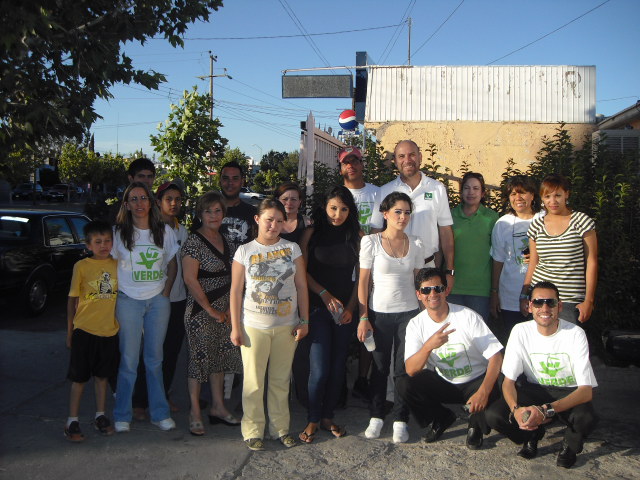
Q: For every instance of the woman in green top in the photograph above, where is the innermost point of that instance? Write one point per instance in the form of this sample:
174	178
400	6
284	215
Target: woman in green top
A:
472	226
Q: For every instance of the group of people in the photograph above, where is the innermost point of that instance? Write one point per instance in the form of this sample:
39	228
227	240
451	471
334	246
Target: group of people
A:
393	266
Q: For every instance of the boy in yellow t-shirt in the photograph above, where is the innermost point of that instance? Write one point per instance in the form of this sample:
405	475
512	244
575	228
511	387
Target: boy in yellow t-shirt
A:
92	329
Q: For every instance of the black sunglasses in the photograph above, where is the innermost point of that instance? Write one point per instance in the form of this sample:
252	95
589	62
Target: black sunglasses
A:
539	302
428	290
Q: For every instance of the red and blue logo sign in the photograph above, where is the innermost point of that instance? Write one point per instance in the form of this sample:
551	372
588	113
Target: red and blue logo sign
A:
348	120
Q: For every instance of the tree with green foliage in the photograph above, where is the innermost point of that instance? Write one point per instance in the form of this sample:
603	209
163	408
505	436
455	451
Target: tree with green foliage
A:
57	58
189	143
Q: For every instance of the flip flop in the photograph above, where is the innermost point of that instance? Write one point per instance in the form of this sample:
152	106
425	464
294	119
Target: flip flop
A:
307	437
337	431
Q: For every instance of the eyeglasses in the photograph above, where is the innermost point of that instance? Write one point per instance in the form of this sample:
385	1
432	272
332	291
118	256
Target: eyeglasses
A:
539	302
428	290
141	198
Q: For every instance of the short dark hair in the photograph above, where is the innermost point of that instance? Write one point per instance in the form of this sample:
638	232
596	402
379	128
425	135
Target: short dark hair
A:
268	204
285	187
140	164
478	176
233	164
428	273
522	184
544	284
393	198
96	227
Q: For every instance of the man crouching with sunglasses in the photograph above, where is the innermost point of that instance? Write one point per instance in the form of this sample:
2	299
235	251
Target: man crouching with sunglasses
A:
450	357
554	356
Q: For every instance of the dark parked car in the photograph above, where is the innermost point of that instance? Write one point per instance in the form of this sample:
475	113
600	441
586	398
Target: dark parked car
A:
25	190
61	192
38	249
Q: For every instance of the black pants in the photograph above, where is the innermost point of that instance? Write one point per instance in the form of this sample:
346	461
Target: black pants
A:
389	334
581	420
426	391
171	350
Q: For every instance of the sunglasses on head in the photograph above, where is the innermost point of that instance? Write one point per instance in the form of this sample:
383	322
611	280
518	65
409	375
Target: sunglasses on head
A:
539	302
428	290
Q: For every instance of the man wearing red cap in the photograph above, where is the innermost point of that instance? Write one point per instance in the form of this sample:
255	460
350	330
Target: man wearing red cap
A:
364	194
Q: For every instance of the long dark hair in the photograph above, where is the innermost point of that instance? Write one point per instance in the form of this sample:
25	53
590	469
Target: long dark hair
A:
124	222
351	225
521	184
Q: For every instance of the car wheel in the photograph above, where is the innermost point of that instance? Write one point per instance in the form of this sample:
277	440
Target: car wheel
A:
37	294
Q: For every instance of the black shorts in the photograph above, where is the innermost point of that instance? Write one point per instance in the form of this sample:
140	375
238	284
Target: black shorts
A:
92	355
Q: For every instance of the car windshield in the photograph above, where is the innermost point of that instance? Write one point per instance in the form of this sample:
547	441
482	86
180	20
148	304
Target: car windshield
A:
14	226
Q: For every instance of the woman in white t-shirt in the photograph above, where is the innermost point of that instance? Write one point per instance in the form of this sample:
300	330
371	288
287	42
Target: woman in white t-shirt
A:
145	248
392	258
510	249
267	323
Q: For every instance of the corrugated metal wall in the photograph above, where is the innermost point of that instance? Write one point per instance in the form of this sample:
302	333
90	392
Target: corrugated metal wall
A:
547	94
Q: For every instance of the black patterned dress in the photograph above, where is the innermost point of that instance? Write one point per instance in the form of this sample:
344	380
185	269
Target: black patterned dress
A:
210	349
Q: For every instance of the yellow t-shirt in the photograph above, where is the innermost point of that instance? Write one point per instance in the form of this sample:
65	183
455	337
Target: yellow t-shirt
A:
95	283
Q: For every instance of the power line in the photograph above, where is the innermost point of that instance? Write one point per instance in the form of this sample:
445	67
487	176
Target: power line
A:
300	27
268	37
437	29
396	33
550	33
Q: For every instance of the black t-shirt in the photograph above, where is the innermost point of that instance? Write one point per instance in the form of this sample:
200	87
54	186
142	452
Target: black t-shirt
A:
332	263
297	233
238	224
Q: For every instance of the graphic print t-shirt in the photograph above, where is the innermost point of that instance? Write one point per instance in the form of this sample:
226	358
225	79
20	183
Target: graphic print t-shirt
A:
365	199
95	283
142	271
238	223
270	299
559	360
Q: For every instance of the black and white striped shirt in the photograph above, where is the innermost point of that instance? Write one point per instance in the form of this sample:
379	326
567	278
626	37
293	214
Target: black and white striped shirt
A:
561	257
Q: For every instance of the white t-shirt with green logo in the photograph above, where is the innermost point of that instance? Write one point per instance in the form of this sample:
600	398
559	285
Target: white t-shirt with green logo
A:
365	199
466	355
142	271
559	360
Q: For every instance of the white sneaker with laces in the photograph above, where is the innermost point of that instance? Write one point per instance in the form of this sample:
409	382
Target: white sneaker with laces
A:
400	432
122	427
374	428
166	424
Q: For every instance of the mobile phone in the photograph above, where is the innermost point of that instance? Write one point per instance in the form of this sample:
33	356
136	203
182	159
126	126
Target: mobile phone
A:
526	251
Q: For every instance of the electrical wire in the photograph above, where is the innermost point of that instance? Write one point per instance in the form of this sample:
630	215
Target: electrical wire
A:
396	33
437	29
550	33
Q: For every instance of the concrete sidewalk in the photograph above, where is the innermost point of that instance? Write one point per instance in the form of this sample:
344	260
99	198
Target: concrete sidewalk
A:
34	403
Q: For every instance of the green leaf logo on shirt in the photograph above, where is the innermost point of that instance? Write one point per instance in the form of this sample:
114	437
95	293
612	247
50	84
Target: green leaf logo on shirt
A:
551	367
449	356
428	196
149	257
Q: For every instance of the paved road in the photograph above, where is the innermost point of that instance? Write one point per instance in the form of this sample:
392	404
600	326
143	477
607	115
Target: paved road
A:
33	408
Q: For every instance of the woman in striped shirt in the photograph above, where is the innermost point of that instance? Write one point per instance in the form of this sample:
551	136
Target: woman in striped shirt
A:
564	250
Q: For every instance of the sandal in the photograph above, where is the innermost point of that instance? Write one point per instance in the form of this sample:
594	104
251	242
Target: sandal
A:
196	428
307	437
337	431
255	444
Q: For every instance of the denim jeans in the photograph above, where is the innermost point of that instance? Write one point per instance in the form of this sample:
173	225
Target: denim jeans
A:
477	303
389	329
327	360
150	316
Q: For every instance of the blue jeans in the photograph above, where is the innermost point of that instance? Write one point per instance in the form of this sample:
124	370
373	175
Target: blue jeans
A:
135	317
477	303
388	329
327	360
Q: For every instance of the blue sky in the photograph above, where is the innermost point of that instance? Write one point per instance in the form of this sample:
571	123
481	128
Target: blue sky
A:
444	32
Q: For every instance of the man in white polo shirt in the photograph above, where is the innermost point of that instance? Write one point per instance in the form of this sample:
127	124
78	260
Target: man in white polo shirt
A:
558	380
431	218
450	357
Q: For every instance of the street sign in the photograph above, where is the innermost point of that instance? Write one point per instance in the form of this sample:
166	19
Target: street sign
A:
317	86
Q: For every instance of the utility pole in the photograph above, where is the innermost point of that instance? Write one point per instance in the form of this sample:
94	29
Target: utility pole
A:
211	76
409	48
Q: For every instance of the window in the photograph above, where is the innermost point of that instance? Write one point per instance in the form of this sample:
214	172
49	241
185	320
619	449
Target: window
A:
58	232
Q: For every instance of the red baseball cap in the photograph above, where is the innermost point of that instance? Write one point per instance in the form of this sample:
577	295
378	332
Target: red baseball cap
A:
347	151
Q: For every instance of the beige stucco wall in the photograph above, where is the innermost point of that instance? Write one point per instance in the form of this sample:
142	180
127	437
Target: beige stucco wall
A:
486	146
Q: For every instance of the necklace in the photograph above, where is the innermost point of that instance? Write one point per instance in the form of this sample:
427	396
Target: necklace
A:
393	252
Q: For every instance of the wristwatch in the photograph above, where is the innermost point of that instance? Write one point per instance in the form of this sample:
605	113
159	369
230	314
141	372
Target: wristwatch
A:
549	412
450	272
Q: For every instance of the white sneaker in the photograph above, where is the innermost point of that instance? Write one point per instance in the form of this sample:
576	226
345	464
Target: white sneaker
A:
166	424
122	427
400	432
374	428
